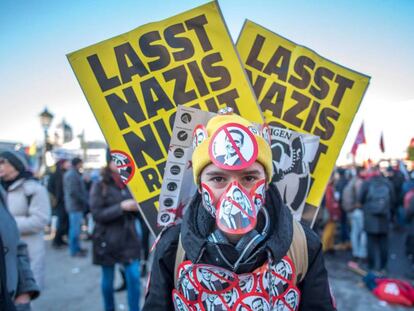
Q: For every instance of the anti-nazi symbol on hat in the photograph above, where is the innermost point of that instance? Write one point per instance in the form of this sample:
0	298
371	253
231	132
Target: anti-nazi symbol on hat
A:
233	147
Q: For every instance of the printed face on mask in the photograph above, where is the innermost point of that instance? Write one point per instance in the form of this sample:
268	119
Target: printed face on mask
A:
230	196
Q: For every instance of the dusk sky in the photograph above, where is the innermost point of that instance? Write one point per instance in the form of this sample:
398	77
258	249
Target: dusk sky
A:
372	37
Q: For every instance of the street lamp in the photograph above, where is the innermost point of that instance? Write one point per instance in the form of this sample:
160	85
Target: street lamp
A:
45	120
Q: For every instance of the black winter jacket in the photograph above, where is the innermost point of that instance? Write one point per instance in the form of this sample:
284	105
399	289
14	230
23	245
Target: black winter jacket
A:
115	239
198	225
376	223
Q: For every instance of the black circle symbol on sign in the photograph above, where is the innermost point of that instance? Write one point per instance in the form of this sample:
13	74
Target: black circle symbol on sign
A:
165	217
182	135
178	153
168	202
175	170
172	186
186	118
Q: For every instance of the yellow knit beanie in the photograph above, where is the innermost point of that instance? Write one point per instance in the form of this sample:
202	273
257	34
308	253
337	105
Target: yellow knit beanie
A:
216	134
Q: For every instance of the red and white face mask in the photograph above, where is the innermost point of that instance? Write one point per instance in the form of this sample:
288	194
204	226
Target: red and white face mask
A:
236	209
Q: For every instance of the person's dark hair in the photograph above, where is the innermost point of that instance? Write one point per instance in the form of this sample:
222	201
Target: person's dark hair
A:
59	166
60	163
341	171
107	175
238	132
107	178
76	161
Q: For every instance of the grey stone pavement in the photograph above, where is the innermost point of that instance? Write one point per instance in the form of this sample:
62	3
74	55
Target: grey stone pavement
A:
72	284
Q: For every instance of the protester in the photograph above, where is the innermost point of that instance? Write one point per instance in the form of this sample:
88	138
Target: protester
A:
87	217
211	255
409	242
29	204
76	203
143	233
56	189
115	238
376	198
407	185
17	284
334	215
340	183
396	179
356	216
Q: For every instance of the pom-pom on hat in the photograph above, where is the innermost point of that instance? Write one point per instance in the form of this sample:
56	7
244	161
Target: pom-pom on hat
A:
232	143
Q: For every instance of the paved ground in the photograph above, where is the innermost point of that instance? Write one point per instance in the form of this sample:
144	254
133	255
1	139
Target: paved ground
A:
72	284
350	292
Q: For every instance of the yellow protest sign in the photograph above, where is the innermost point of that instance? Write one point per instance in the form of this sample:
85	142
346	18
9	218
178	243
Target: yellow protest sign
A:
298	89
135	81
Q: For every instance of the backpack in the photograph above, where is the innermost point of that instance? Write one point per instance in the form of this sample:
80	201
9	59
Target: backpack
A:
298	252
349	196
378	200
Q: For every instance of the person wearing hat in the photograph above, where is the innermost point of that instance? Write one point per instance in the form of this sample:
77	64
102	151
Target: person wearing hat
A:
252	248
29	203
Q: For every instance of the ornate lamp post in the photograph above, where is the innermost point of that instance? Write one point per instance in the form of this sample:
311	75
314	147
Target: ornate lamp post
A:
45	120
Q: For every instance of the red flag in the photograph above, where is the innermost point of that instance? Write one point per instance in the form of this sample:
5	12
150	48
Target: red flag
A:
360	139
382	147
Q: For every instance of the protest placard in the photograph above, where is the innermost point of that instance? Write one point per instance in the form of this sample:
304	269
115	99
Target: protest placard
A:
135	81
300	90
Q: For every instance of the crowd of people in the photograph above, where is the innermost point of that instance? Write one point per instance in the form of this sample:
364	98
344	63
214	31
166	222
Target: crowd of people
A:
119	236
360	208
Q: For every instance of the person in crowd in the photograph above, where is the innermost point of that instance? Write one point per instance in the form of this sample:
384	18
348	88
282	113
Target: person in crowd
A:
409	242
201	241
408	184
56	190
87	217
396	179
29	203
339	185
76	203
334	215
143	233
17	283
115	237
376	199
356	216
145	246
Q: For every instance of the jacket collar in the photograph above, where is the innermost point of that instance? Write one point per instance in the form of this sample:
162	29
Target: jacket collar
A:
16	184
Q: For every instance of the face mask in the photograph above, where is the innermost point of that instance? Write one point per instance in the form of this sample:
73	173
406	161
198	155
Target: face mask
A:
236	209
